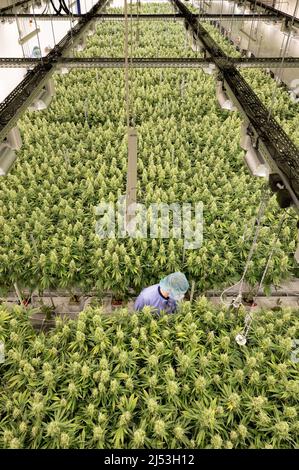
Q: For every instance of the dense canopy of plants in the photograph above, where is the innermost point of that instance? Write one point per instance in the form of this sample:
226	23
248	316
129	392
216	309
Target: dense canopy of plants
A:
74	156
136	380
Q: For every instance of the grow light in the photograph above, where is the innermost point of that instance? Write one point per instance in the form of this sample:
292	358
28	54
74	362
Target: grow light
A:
7	159
256	163
210	69
13	138
44	98
91	30
245	141
222	97
63	70
80	47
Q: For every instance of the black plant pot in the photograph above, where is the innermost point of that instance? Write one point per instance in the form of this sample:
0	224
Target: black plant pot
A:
40	322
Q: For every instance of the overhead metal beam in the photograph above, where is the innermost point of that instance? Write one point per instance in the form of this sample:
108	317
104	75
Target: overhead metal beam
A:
144	17
274	11
144	62
266	62
21	97
108	62
273	142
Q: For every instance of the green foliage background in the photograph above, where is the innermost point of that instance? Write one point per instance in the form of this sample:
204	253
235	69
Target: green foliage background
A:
141	381
74	156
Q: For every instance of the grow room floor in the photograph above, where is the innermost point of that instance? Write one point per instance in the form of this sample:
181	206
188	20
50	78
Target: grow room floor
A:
287	294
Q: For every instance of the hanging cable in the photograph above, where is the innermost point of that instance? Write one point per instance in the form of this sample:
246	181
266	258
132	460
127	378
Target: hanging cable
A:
261	36
231	24
221	13
138	23
20	37
65	8
263	204
38	39
46	8
131	72
52	28
126	48
58	12
198	23
241	338
71	25
252	22
242	24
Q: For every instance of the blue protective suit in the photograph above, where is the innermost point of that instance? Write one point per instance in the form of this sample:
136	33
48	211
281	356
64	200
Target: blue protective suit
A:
152	297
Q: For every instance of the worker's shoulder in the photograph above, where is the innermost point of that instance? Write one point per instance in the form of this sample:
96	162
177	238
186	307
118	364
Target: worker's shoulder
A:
149	291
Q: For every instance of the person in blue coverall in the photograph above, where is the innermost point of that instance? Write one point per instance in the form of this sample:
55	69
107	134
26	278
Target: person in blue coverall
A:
165	295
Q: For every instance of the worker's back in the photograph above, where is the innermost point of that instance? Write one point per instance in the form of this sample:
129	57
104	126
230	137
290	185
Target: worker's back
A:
152	296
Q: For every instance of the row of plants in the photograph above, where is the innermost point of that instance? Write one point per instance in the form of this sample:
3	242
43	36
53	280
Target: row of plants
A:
74	156
141	381
168	39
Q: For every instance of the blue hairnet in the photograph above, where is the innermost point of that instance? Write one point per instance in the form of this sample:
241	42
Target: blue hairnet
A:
176	283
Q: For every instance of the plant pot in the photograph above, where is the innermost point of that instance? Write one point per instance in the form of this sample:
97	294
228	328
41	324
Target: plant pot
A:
116	304
41	323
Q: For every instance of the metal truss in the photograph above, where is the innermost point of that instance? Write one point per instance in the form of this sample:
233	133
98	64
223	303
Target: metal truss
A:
144	17
274	11
145	62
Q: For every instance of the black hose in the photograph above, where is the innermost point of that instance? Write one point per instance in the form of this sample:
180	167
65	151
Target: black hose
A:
46	8
64	7
58	12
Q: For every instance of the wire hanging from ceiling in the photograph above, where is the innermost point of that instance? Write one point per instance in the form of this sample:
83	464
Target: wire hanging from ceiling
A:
251	28
58	12
38	38
126	50
263	205
71	25
231	24
241	337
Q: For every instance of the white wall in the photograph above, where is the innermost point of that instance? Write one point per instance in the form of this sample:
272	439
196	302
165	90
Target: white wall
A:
264	40
9	46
